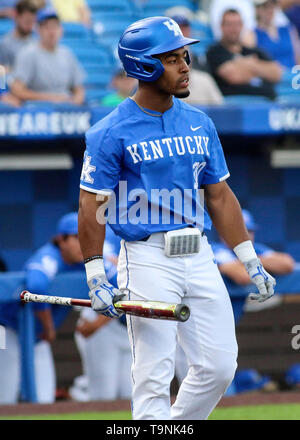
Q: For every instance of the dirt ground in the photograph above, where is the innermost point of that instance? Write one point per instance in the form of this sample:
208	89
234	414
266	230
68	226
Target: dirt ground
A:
69	406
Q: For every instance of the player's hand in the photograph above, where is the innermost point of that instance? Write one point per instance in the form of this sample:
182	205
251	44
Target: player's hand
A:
102	294
262	279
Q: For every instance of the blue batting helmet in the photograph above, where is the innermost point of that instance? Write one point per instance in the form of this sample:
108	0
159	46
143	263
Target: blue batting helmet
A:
146	38
68	224
249	220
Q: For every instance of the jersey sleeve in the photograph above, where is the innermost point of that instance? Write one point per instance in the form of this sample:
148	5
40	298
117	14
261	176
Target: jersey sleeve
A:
216	168
101	164
40	271
223	255
263	250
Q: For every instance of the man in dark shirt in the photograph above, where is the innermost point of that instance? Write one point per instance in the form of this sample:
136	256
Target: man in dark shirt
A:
239	70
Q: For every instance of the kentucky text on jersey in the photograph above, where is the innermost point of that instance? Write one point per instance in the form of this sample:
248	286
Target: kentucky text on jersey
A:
177	145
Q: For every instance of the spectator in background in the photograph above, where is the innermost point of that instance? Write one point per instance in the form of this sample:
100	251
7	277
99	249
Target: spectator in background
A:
203	88
61	254
240	70
184	17
281	43
21	36
73	11
123	86
292	11
47	71
246	11
7	8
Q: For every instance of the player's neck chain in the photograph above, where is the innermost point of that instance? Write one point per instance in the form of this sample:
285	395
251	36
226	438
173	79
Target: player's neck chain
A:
145	111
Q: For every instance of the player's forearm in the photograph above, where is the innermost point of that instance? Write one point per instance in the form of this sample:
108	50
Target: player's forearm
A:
90	232
226	215
278	263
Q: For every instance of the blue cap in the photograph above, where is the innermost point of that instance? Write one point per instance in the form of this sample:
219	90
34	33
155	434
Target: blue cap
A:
46	13
249	220
249	380
181	19
68	224
292	376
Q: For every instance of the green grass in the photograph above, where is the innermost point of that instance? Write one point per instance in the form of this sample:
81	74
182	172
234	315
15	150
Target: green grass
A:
257	412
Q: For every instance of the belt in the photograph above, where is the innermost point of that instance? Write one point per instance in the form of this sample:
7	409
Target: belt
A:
148	236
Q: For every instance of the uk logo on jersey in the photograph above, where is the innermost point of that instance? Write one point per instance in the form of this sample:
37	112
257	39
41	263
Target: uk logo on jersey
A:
87	169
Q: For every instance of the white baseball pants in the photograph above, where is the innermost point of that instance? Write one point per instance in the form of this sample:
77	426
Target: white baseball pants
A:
10	377
207	338
106	359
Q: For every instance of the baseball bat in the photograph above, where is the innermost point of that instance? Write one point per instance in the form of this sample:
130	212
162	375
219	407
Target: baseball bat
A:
145	309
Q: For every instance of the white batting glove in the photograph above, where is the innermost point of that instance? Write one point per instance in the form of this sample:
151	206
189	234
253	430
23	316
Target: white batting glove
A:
262	279
101	292
258	275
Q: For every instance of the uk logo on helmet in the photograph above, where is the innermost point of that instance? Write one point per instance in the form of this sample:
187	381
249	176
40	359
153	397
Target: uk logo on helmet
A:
173	26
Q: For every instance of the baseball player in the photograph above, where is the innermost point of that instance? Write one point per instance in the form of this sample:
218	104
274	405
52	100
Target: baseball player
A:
61	254
150	146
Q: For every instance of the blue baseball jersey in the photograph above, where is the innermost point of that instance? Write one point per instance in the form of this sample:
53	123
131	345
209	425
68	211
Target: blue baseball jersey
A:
153	165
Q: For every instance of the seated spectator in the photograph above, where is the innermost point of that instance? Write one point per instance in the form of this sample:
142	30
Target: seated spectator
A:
292	11
280	43
73	11
7	8
123	86
240	70
21	36
245	9
47	71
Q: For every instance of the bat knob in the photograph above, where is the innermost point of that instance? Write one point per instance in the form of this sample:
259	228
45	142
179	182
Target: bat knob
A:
182	312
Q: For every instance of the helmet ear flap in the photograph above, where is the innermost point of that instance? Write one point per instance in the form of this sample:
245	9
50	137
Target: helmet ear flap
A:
188	58
145	69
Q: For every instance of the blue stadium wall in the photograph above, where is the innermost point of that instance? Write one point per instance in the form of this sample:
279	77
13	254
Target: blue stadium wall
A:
31	202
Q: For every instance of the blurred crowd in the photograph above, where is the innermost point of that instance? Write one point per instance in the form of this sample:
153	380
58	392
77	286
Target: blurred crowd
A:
253	44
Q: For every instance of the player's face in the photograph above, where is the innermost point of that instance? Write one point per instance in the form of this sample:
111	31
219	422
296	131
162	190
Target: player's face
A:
175	79
70	249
